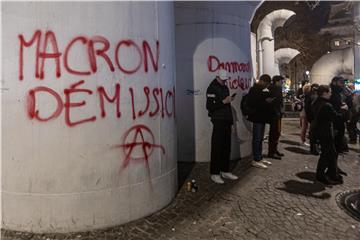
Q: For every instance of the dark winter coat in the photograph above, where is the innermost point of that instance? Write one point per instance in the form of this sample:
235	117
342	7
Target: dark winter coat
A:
217	110
308	106
325	116
337	99
278	103
263	111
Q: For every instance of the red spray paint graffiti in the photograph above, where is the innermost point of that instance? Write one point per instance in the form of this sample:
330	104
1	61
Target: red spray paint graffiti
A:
140	138
138	142
96	48
144	54
215	64
154	105
238	82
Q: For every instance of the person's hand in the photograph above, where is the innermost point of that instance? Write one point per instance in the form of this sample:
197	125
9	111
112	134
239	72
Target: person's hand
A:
344	107
228	99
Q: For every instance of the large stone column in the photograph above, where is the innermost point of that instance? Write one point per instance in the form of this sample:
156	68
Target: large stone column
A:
265	35
88	113
268	56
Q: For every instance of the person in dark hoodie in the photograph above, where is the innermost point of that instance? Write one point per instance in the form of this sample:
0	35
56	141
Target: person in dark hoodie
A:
325	115
218	101
275	124
260	100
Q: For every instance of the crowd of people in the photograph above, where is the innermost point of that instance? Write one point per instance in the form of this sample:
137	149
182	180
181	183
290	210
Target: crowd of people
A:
327	111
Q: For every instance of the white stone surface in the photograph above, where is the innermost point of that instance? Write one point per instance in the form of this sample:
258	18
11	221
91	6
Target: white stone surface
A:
61	178
265	35
339	62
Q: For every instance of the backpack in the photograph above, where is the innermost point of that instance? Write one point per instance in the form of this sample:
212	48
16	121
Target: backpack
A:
246	110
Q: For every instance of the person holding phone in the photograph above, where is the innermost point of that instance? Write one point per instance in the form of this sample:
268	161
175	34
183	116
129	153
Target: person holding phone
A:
260	100
218	102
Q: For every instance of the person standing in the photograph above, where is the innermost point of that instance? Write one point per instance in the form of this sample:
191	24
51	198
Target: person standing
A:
260	101
327	170
304	124
218	101
338	101
275	124
309	113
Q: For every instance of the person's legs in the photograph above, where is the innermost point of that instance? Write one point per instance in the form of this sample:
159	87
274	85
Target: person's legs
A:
274	136
313	142
216	150
226	149
258	135
304	127
339	128
323	160
328	160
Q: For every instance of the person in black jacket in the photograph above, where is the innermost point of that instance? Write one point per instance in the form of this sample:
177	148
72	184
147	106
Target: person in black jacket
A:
275	124
218	101
325	115
260	100
338	100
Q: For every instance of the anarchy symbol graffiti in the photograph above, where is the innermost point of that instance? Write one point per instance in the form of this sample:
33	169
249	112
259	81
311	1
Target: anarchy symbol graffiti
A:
138	144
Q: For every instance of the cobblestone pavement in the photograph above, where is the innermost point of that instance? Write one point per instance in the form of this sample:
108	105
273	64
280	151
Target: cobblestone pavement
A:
282	202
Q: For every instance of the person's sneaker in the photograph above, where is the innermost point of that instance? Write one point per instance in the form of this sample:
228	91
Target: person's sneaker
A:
217	179
258	164
229	175
266	162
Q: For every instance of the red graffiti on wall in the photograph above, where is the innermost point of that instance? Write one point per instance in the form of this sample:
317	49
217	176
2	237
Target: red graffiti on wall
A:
158	101
215	64
97	48
239	83
155	103
138	144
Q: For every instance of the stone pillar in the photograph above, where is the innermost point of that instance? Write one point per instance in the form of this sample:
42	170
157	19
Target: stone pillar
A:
268	56
88	114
